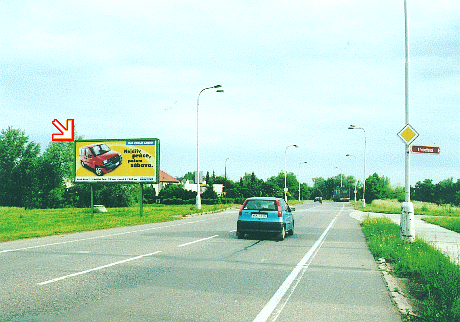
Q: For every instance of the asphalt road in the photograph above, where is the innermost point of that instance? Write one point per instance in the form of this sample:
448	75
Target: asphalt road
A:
195	269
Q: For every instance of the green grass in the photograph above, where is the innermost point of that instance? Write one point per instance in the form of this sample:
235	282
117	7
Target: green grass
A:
393	206
451	223
17	223
436	278
446	216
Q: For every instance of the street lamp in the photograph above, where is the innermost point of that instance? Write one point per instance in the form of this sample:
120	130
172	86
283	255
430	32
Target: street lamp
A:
356	167
197	176
285	173
407	229
224	189
299	176
354	127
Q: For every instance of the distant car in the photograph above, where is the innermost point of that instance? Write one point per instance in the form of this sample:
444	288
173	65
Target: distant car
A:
99	158
265	215
320	199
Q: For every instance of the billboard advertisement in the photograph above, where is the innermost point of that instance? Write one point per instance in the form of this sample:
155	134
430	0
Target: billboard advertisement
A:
123	160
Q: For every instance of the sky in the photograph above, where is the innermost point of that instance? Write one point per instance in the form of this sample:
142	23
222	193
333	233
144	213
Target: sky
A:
293	72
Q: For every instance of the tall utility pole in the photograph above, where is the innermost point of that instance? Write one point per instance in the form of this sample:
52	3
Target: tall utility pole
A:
285	172
299	176
354	127
407	230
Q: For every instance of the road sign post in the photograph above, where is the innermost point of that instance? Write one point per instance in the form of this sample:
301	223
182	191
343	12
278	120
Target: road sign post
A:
408	135
407	230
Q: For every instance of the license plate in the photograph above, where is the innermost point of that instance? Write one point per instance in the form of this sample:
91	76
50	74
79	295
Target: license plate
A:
260	215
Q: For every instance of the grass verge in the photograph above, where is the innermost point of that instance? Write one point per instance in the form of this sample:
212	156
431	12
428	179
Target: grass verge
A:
446	216
393	206
451	223
434	279
17	223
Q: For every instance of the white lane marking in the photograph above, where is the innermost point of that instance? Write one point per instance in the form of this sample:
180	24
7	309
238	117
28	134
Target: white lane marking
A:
197	241
97	237
98	268
267	311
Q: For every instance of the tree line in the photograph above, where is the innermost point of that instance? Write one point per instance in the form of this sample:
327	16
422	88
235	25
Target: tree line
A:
31	179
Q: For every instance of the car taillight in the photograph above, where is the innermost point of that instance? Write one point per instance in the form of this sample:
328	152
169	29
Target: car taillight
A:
241	209
280	210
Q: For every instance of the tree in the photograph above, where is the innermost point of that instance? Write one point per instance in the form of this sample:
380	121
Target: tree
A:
18	158
305	192
377	188
319	188
424	191
209	192
190	176
55	168
149	194
444	192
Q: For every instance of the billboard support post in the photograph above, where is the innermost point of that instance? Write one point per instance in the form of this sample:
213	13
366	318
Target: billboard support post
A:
92	201
141	199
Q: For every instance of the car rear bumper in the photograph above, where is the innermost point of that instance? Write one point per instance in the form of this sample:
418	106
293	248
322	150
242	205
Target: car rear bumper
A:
248	227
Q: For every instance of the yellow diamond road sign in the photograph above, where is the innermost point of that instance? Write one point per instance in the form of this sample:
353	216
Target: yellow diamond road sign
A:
408	134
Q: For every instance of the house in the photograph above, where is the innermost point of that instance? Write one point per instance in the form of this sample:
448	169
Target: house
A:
165	180
218	187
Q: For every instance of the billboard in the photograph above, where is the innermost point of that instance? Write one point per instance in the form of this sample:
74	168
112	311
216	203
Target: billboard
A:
120	160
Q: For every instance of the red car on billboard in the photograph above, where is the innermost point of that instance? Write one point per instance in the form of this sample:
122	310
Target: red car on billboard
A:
99	158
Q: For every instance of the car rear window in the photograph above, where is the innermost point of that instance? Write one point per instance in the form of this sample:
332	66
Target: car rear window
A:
260	205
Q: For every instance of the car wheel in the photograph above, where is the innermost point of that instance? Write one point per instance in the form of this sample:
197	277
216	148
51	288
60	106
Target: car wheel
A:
239	235
291	232
282	233
98	171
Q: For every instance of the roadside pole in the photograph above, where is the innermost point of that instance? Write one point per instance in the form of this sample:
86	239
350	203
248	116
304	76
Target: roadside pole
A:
141	199
407	230
92	201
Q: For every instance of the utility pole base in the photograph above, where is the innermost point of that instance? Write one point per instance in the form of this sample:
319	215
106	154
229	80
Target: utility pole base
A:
407	229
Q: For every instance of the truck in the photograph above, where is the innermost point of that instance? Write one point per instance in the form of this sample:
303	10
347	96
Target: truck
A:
341	194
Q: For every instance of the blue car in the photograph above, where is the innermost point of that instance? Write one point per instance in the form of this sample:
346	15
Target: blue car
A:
265	215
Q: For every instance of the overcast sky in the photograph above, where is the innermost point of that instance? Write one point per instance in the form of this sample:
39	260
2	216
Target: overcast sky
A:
293	72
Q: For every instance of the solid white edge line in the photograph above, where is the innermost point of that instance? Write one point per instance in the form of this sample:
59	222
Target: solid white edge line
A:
264	315
98	268
197	241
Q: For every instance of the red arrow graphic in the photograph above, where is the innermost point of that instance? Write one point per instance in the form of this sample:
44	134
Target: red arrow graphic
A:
65	133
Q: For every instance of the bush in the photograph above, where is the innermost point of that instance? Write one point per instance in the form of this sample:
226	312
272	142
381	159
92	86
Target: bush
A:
149	194
176	191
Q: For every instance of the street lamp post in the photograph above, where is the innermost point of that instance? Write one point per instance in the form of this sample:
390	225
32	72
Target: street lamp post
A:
224	189
341	176
356	179
197	175
299	176
407	229
285	173
354	127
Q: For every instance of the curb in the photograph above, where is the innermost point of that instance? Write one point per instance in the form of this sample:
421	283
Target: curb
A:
397	288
